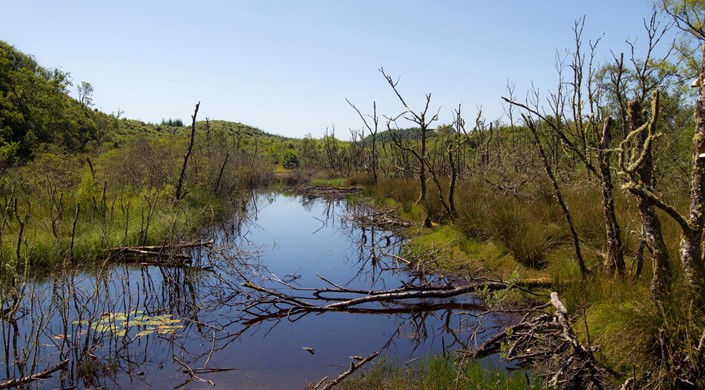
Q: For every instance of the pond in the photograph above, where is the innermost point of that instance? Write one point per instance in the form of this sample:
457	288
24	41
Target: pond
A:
131	326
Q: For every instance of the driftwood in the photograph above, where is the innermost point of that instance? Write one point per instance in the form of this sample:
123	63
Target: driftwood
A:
158	254
31	378
324	385
393	295
384	219
547	341
272	303
313	192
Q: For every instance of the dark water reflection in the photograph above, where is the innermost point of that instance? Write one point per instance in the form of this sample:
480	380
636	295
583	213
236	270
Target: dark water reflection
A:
133	327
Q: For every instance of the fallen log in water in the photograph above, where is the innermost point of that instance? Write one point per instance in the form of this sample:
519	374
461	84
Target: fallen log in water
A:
338	298
548	342
171	254
313	192
385	219
31	378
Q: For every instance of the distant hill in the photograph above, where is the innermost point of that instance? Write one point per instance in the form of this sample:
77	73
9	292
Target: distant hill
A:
35	108
409	134
36	111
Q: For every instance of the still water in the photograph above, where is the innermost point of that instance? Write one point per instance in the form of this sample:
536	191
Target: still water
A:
127	326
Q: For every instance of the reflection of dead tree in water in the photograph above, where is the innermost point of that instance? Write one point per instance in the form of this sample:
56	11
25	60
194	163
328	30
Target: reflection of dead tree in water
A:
542	338
339	298
19	382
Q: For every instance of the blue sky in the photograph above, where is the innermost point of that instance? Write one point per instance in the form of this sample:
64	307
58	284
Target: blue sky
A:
288	66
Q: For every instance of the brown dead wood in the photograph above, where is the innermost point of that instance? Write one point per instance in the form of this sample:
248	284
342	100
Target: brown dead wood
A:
548	342
31	378
324	385
158	254
313	192
338	298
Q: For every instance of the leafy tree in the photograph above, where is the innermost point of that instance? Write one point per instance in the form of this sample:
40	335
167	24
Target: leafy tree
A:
85	93
289	159
35	107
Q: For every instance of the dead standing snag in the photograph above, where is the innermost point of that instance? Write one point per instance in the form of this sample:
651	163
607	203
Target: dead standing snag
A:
180	193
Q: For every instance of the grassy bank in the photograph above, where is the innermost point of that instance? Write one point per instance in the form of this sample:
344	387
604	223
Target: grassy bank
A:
525	237
63	207
441	372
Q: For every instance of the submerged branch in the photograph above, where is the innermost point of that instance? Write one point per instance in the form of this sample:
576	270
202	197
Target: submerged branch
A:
158	254
31	378
353	367
274	303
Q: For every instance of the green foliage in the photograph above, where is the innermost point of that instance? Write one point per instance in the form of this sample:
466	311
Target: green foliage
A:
35	108
172	122
8	154
442	372
289	159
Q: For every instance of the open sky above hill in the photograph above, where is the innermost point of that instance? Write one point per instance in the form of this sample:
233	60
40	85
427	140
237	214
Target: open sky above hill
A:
288	66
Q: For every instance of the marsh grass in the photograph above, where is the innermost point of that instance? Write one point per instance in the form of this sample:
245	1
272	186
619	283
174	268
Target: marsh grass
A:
441	372
526	228
400	191
142	218
328	182
525	234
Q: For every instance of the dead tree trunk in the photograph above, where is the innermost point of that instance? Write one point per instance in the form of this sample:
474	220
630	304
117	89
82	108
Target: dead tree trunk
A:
559	196
612	226
180	193
637	163
423	121
691	243
373	134
614	260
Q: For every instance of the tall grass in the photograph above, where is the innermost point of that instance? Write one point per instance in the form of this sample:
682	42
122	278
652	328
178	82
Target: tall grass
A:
523	225
143	218
442	372
62	207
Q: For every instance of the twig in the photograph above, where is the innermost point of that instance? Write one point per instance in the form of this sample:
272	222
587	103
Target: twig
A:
192	374
353	367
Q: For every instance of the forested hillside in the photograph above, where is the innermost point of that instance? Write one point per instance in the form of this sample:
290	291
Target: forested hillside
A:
77	182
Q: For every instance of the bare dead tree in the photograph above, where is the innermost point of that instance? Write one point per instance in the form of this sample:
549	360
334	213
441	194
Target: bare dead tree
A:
180	193
559	196
373	133
453	149
331	147
223	141
581	139
424	122
615	257
646	75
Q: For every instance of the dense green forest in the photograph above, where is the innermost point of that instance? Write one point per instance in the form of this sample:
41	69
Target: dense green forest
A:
597	187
